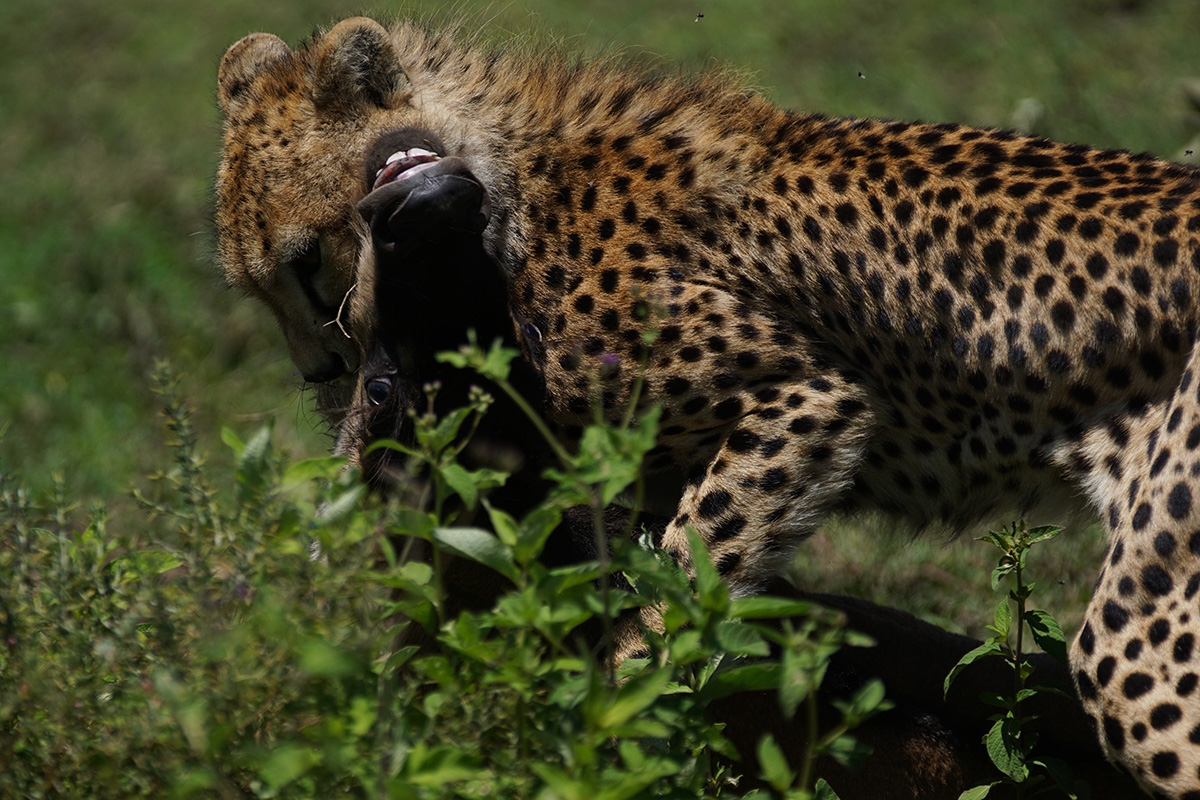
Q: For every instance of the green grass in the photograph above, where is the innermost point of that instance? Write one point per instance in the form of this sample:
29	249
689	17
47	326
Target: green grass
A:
109	137
947	583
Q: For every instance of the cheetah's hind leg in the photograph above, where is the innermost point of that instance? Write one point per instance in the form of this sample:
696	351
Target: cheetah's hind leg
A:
1135	661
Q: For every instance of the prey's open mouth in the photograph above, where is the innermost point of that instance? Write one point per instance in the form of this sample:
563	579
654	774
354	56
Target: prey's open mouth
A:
404	164
417	193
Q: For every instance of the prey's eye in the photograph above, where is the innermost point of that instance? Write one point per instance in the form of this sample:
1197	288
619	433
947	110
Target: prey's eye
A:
379	390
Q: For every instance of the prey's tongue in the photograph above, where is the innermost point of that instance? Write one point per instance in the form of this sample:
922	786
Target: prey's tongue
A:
404	164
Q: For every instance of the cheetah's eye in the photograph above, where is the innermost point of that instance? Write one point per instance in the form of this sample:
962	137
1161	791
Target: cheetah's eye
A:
308	258
379	390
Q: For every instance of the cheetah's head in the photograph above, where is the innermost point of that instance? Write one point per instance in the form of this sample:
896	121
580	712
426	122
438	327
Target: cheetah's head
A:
325	162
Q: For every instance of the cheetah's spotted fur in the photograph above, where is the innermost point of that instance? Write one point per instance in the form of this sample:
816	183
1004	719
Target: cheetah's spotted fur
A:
935	321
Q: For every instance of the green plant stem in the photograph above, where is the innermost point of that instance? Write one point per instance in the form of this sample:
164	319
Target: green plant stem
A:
1018	673
439	562
811	743
635	393
1019	679
385	694
543	430
439	587
519	705
568	465
605	585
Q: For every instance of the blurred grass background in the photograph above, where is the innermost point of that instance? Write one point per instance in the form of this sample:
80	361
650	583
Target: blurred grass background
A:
109	137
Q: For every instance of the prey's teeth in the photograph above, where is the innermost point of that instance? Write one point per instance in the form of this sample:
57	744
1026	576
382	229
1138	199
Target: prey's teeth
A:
412	152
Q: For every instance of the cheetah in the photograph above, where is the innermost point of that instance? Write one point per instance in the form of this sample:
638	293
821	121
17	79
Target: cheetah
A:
924	747
936	322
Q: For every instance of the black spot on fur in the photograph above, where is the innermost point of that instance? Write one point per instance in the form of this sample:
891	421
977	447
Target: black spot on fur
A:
1136	685
1164	764
1115	617
1179	501
714	503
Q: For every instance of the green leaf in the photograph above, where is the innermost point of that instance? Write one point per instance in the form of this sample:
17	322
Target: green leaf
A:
744	678
991	647
341	506
479	546
795	680
687	647
1047	633
633	697
255	451
978	792
823	791
503	524
494	364
1003	620
362	714
326	467
561	784
868	700
189	781
497	363
739	639
996	699
416	572
1060	773
411	522
632	756
609	458
847	751
441	765
774	764
601	462
535	529
235	444
1026	694
189	713
321	659
1003	746
712	591
1045	688
766	607
460	359
1042	533
286	763
389	444
149	562
441	435
631	784
253	473
461	482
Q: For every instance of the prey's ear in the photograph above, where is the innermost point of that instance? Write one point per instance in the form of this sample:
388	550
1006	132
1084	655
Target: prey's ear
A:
242	63
358	67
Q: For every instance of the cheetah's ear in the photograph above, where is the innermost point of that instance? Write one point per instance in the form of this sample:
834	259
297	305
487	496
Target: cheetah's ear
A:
243	62
358	66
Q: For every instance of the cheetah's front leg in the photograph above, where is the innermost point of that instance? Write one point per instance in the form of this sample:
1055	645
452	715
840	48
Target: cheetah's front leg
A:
774	476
